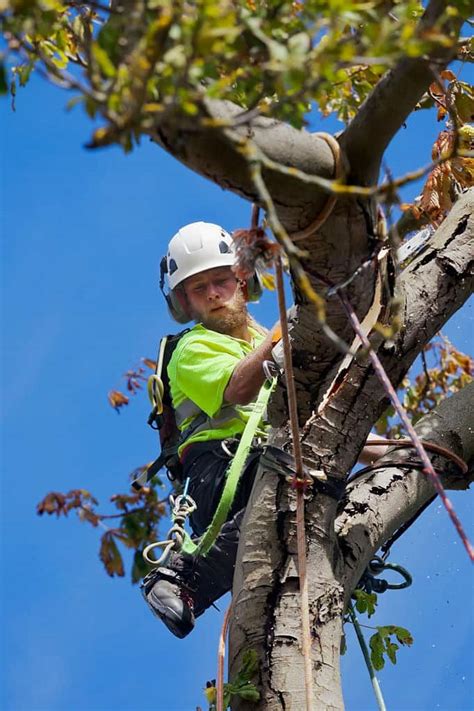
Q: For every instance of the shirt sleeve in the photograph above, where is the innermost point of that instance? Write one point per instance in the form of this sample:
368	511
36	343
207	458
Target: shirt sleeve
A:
203	369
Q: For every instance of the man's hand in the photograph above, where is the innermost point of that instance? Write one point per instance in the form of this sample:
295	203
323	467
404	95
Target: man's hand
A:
370	454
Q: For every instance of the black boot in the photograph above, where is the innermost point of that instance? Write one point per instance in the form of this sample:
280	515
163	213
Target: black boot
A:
189	585
169	596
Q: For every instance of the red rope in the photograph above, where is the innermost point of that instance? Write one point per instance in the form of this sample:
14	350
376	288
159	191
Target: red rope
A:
299	483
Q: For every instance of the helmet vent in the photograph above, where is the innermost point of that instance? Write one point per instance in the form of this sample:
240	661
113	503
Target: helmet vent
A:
224	247
172	267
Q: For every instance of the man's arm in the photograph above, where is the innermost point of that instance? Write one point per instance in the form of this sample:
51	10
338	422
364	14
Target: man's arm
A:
370	454
248	376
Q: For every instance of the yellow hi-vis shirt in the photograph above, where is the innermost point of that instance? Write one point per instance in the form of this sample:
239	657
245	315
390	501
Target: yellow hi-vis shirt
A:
199	370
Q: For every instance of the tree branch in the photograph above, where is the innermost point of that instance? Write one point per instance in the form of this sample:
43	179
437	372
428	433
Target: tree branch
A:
386	109
204	148
380	502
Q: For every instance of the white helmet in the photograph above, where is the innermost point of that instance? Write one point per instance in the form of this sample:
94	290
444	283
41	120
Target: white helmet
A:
193	249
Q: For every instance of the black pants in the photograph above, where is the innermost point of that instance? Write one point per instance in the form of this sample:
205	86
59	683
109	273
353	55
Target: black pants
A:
206	463
211	576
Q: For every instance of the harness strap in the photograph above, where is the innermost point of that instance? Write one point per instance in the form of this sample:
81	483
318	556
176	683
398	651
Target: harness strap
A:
232	476
202	421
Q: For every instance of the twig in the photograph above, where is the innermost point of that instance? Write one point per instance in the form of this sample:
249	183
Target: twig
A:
427	375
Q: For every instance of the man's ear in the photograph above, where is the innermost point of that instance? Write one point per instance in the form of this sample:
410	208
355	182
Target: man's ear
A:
243	286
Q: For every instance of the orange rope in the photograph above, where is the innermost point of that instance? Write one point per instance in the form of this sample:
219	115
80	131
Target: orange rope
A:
332	199
220	661
300	485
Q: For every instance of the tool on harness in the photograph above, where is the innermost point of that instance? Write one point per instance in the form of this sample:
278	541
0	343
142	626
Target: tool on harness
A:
371	583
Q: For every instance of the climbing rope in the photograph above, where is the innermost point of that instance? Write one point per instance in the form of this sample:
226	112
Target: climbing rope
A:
368	661
221	659
299	483
370	583
183	506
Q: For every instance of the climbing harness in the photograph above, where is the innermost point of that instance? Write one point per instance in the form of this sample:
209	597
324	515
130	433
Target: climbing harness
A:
162	416
178	538
233	475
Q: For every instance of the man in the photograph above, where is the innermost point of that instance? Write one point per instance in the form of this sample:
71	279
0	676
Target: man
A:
216	370
215	374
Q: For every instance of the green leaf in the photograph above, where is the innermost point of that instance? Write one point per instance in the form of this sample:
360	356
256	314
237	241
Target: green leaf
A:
391	648
139	567
74	101
365	602
103	61
249	693
404	636
377	647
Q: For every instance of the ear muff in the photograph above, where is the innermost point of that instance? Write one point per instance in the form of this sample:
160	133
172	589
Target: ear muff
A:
177	312
176	309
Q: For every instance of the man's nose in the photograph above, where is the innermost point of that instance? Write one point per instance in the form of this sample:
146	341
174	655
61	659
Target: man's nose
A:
212	292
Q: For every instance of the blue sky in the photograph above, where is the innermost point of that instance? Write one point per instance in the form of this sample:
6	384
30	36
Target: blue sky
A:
82	234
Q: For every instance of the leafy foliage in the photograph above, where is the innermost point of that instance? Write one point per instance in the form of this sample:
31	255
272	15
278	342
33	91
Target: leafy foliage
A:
138	517
452	150
365	602
241	685
134	379
135	61
381	644
450	372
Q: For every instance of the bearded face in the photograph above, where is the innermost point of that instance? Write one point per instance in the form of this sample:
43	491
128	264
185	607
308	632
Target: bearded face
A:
216	299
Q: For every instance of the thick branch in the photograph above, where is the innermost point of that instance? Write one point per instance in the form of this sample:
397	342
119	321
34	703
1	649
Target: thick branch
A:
388	106
208	152
380	502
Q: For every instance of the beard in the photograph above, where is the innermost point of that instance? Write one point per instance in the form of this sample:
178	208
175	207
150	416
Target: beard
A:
233	316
